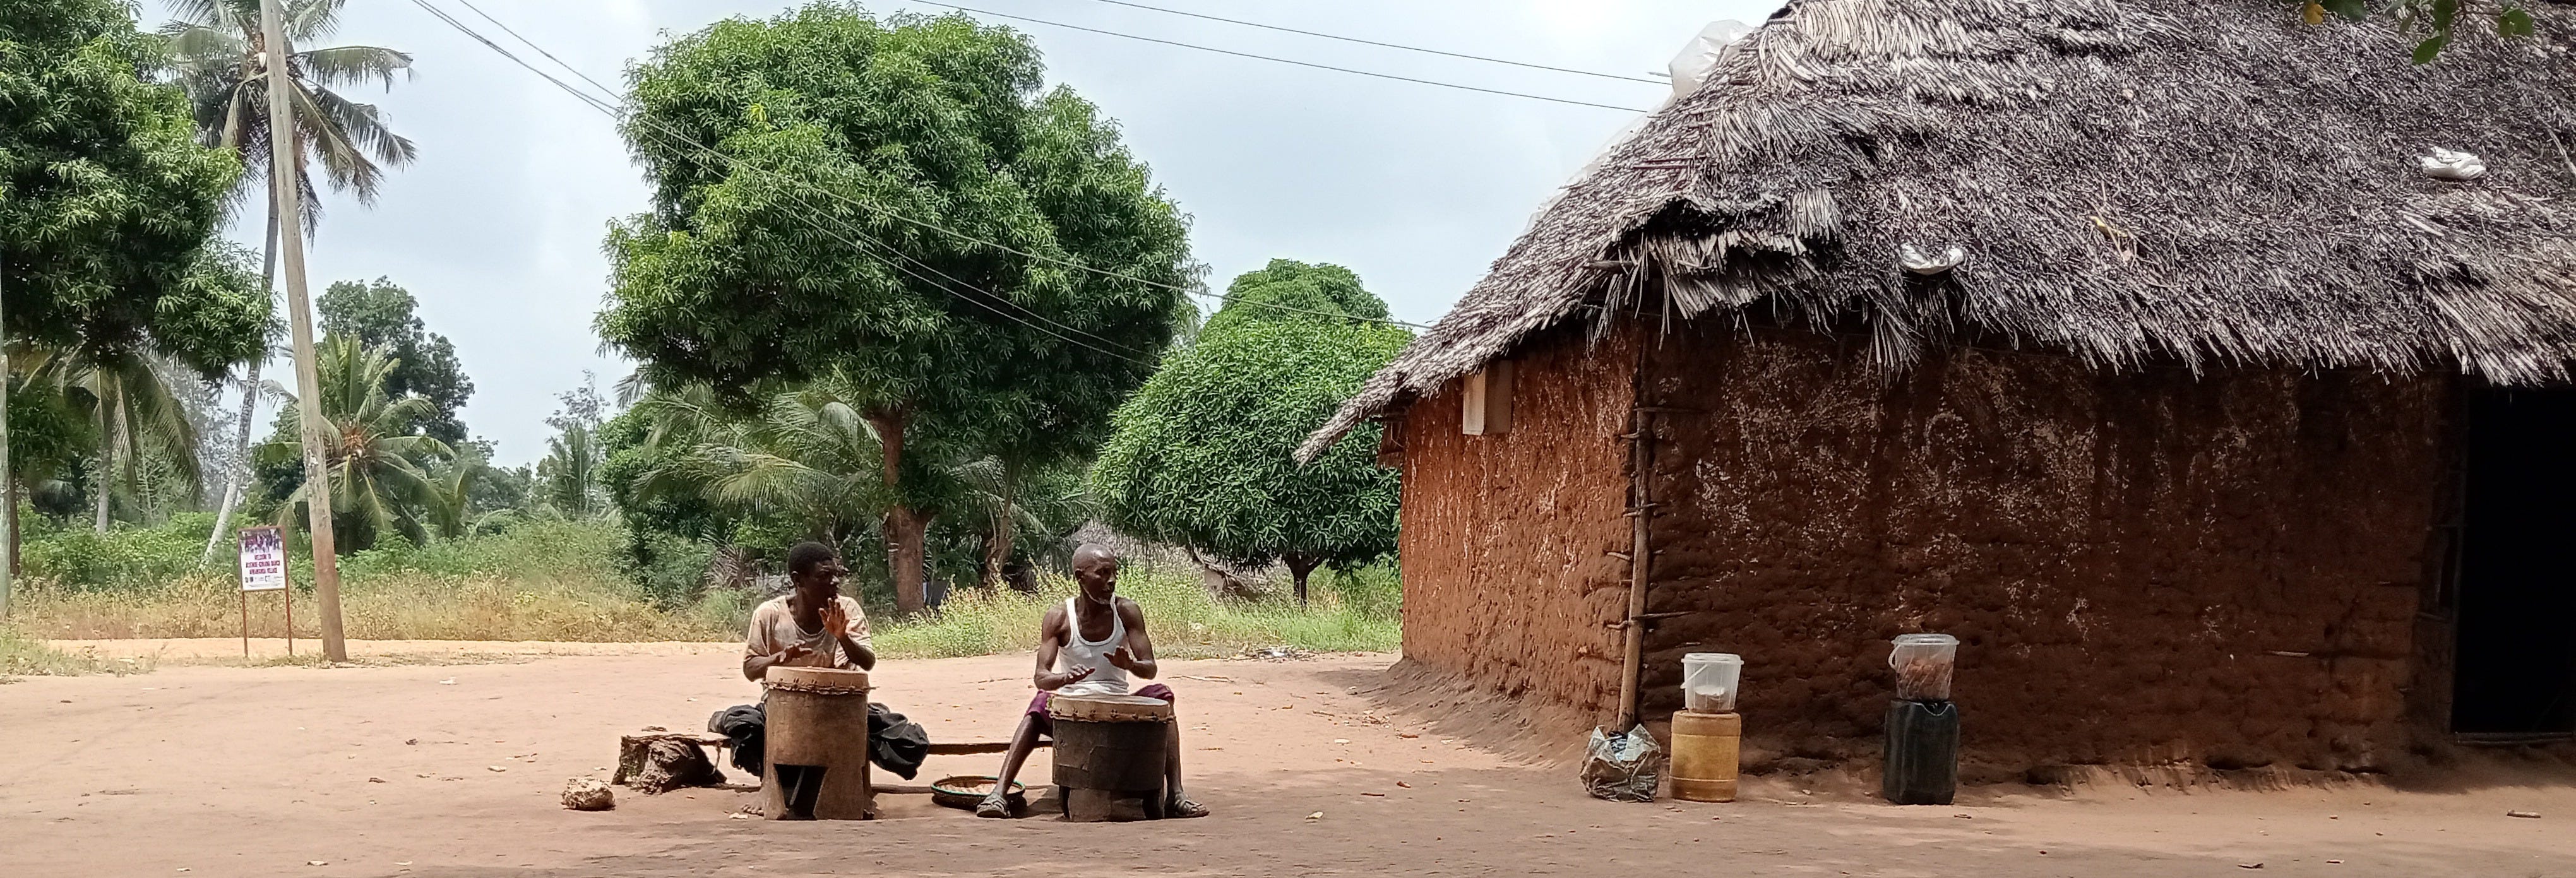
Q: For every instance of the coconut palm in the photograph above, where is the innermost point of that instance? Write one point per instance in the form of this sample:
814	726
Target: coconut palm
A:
375	465
808	455
127	398
218	54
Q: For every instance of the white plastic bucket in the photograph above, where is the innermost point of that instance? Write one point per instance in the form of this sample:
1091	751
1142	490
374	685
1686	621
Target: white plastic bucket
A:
1923	664
1708	681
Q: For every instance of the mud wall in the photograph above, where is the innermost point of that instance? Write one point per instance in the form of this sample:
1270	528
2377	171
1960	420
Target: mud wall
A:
2143	567
1508	582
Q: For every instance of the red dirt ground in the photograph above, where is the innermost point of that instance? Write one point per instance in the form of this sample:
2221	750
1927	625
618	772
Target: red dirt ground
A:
212	771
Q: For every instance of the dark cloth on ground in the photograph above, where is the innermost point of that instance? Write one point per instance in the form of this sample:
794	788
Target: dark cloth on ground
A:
895	744
744	725
1158	691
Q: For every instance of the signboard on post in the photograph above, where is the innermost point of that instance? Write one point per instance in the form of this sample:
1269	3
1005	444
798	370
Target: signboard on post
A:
263	568
263	559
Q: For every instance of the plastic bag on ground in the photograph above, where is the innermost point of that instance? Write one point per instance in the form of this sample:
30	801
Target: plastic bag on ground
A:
1623	767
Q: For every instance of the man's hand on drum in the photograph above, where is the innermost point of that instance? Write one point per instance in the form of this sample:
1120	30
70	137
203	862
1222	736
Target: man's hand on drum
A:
1062	679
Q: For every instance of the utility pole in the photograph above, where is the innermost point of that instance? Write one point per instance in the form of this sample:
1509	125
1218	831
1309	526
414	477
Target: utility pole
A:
284	155
8	477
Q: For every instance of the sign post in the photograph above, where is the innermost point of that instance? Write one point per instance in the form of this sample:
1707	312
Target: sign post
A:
263	568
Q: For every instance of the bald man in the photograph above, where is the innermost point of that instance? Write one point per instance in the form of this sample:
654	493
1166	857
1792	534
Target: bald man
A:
1092	645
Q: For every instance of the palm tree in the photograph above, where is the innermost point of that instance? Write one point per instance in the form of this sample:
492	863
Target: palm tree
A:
374	464
135	415
808	454
218	54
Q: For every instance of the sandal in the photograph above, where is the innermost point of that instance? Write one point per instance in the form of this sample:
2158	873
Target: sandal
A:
1183	809
995	805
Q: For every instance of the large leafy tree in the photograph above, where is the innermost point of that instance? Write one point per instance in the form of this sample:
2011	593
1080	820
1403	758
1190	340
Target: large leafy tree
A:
379	482
217	52
106	200
798	165
381	314
1202	455
106	205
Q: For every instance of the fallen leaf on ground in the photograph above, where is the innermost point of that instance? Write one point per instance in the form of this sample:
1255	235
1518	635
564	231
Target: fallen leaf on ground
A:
1341	740
1965	816
2334	862
451	681
1319	815
317	862
1373	794
495	768
375	780
2528	815
2249	865
1406	735
1404	785
411	740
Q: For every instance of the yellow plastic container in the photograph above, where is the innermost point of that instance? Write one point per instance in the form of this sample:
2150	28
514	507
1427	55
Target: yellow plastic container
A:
1705	748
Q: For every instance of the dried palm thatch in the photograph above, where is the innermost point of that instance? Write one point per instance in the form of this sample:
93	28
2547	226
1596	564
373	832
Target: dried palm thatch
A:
2206	183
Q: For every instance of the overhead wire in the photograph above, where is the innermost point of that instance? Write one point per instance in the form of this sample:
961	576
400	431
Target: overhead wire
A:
1277	59
1369	42
614	110
618	109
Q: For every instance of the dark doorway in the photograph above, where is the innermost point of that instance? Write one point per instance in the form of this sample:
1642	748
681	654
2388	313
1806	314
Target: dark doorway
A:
2517	598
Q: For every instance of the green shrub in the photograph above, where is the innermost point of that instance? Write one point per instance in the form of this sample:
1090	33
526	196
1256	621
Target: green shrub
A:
124	558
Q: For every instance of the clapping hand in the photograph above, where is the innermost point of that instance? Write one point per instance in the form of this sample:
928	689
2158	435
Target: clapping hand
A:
793	652
836	621
1121	659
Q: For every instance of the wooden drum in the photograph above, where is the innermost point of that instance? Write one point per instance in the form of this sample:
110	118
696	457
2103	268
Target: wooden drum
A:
1110	751
817	746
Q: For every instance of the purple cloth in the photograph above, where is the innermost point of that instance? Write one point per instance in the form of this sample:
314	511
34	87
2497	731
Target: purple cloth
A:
1038	705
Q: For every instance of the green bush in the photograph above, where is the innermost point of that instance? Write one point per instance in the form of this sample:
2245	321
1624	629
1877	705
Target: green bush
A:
123	559
1375	591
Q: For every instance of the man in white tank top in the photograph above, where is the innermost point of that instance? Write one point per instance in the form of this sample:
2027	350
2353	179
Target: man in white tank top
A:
1094	644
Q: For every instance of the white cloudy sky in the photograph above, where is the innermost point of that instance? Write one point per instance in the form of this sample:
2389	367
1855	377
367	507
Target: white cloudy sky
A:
497	227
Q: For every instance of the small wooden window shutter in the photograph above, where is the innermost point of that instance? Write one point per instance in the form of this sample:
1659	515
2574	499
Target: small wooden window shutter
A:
1488	401
1390	441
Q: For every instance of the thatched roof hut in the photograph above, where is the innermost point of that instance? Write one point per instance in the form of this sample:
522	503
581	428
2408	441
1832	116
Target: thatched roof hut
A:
2148	345
2209	182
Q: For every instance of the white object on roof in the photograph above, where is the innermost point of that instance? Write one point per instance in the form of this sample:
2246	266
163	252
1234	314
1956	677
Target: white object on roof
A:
2446	164
1691	68
1919	262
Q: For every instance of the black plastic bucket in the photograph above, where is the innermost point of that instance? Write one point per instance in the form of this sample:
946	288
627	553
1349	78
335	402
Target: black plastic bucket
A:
1922	753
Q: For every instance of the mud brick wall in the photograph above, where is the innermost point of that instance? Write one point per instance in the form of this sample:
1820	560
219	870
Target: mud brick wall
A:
1507	578
2142	566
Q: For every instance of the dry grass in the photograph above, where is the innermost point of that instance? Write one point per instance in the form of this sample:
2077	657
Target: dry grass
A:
21	656
555	582
1184	620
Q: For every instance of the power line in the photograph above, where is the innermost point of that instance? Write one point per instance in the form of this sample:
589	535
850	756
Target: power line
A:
617	109
1367	42
613	110
1476	88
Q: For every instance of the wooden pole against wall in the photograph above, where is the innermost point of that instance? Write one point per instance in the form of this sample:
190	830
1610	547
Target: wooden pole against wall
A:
286	188
1641	462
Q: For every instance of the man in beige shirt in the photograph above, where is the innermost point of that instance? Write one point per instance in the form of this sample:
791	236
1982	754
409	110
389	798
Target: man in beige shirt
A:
811	626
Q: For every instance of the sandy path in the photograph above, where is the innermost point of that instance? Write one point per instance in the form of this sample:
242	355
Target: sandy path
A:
258	771
272	650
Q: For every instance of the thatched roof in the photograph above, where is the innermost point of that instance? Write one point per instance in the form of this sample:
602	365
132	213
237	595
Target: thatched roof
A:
2202	182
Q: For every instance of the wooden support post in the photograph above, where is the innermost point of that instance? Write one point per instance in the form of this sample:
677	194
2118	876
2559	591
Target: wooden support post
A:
1640	557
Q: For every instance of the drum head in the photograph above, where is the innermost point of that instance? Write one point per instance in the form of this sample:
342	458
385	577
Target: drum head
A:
1109	708
829	680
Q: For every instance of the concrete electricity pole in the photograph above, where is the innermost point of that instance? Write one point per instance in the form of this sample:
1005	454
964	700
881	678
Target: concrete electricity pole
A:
283	186
8	517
